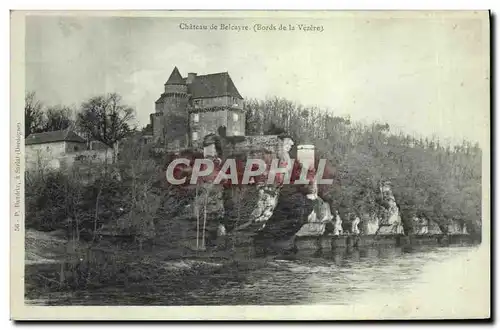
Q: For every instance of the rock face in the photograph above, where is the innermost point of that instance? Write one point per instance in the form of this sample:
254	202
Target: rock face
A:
455	227
423	226
369	224
391	221
290	214
209	201
321	211
209	208
221	230
249	207
198	222
337	226
263	210
318	219
312	229
354	226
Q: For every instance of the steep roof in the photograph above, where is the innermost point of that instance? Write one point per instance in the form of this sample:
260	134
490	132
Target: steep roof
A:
54	136
213	85
175	78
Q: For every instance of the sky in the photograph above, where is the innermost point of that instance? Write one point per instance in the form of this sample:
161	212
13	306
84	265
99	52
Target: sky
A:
426	74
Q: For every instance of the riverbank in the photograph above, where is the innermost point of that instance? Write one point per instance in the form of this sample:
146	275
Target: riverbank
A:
57	266
348	276
144	275
54	265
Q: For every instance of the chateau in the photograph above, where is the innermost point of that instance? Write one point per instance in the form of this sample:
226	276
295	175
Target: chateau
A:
194	106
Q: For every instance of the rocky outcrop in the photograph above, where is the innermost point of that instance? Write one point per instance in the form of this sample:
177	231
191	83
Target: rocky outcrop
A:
290	214
369	224
209	213
455	227
267	200
391	220
318	220
354	226
337	226
423	226
312	229
321	212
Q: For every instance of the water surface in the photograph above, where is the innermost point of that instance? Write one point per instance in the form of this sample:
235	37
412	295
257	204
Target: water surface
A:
341	278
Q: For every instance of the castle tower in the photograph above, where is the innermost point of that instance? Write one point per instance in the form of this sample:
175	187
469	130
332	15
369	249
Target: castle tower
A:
195	106
170	120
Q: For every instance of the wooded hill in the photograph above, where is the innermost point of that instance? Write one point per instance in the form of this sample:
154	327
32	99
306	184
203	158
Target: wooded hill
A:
429	179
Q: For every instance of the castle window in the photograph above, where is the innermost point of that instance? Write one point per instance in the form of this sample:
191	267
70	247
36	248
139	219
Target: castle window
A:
235	117
75	148
195	136
196	117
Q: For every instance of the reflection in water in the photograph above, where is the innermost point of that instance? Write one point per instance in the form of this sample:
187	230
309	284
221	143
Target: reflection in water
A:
341	277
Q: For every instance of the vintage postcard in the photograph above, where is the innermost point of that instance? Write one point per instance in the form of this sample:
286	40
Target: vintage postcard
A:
232	165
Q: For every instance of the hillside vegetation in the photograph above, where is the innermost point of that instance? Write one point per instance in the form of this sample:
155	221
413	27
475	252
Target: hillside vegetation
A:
429	179
439	182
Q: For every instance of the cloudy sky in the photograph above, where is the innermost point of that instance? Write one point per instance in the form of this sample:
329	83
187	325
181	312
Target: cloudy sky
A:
427	75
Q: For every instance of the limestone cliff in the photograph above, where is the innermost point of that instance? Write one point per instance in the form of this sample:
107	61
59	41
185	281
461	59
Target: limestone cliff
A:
354	226
290	214
391	218
267	199
319	220
455	227
369	224
337	226
423	226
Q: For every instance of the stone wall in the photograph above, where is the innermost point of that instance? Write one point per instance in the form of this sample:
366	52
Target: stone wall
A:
75	147
42	155
157	125
235	123
255	146
208	123
216	101
172	126
61	156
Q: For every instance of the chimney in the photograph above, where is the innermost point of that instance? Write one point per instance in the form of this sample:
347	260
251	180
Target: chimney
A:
305	155
190	78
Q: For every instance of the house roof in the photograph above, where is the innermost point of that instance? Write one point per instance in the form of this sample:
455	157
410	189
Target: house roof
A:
209	85
54	136
175	78
213	85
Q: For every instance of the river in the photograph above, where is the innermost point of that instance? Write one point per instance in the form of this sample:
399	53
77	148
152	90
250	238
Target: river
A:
356	276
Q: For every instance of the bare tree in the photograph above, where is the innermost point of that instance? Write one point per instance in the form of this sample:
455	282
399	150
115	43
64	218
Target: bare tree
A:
106	119
33	114
57	118
142	199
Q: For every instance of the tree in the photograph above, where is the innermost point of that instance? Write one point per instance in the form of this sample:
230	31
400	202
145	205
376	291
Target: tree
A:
57	118
104	118
33	115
